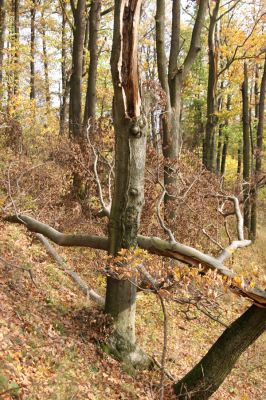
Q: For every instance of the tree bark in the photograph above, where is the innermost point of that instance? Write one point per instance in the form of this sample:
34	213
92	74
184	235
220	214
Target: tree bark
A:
130	153
65	86
2	41
91	99
15	7
260	108
45	63
246	147
172	79
32	50
209	150
75	105
226	137
206	377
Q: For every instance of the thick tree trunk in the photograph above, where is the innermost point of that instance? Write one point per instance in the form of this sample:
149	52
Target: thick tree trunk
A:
32	50
91	99
128	196
260	109
209	150
75	105
246	147
206	377
2	42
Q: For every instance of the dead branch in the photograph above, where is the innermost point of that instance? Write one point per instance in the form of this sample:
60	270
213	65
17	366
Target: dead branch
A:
79	240
90	293
167	230
105	208
155	245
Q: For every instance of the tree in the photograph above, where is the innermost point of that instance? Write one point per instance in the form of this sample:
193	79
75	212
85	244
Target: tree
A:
32	50
172	79
258	154
75	105
94	22
2	40
209	148
246	147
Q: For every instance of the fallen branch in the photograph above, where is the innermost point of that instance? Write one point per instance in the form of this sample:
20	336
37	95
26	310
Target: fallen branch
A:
154	245
90	293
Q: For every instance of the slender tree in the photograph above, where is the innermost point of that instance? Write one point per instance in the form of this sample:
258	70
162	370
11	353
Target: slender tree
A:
260	110
246	147
32	50
209	150
65	85
15	9
94	23
45	59
172	77
2	40
75	105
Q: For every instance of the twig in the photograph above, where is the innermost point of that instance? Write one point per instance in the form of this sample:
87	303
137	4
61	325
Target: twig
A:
11	265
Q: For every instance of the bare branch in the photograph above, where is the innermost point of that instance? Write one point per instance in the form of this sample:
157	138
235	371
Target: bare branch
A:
59	238
90	293
167	230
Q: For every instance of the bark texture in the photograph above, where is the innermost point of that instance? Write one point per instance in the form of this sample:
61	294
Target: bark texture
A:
94	24
128	196
171	78
32	50
259	113
246	147
209	150
75	105
206	377
2	40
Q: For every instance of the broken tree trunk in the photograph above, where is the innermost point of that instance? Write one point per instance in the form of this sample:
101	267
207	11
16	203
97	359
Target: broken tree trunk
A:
128	196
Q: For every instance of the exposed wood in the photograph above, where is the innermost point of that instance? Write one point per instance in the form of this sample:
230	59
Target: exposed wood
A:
154	245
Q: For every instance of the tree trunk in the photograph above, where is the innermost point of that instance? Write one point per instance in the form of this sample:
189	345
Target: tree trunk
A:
206	377
45	63
260	107
91	99
246	147
15	10
75	105
65	86
209	150
171	80
32	50
239	158
128	196
226	137
2	42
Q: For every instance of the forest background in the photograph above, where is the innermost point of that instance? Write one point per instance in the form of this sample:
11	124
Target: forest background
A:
201	66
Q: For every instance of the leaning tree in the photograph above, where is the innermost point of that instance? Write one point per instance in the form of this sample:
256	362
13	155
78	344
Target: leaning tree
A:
124	219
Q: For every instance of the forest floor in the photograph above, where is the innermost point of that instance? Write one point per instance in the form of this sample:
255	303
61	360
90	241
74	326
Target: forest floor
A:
50	333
